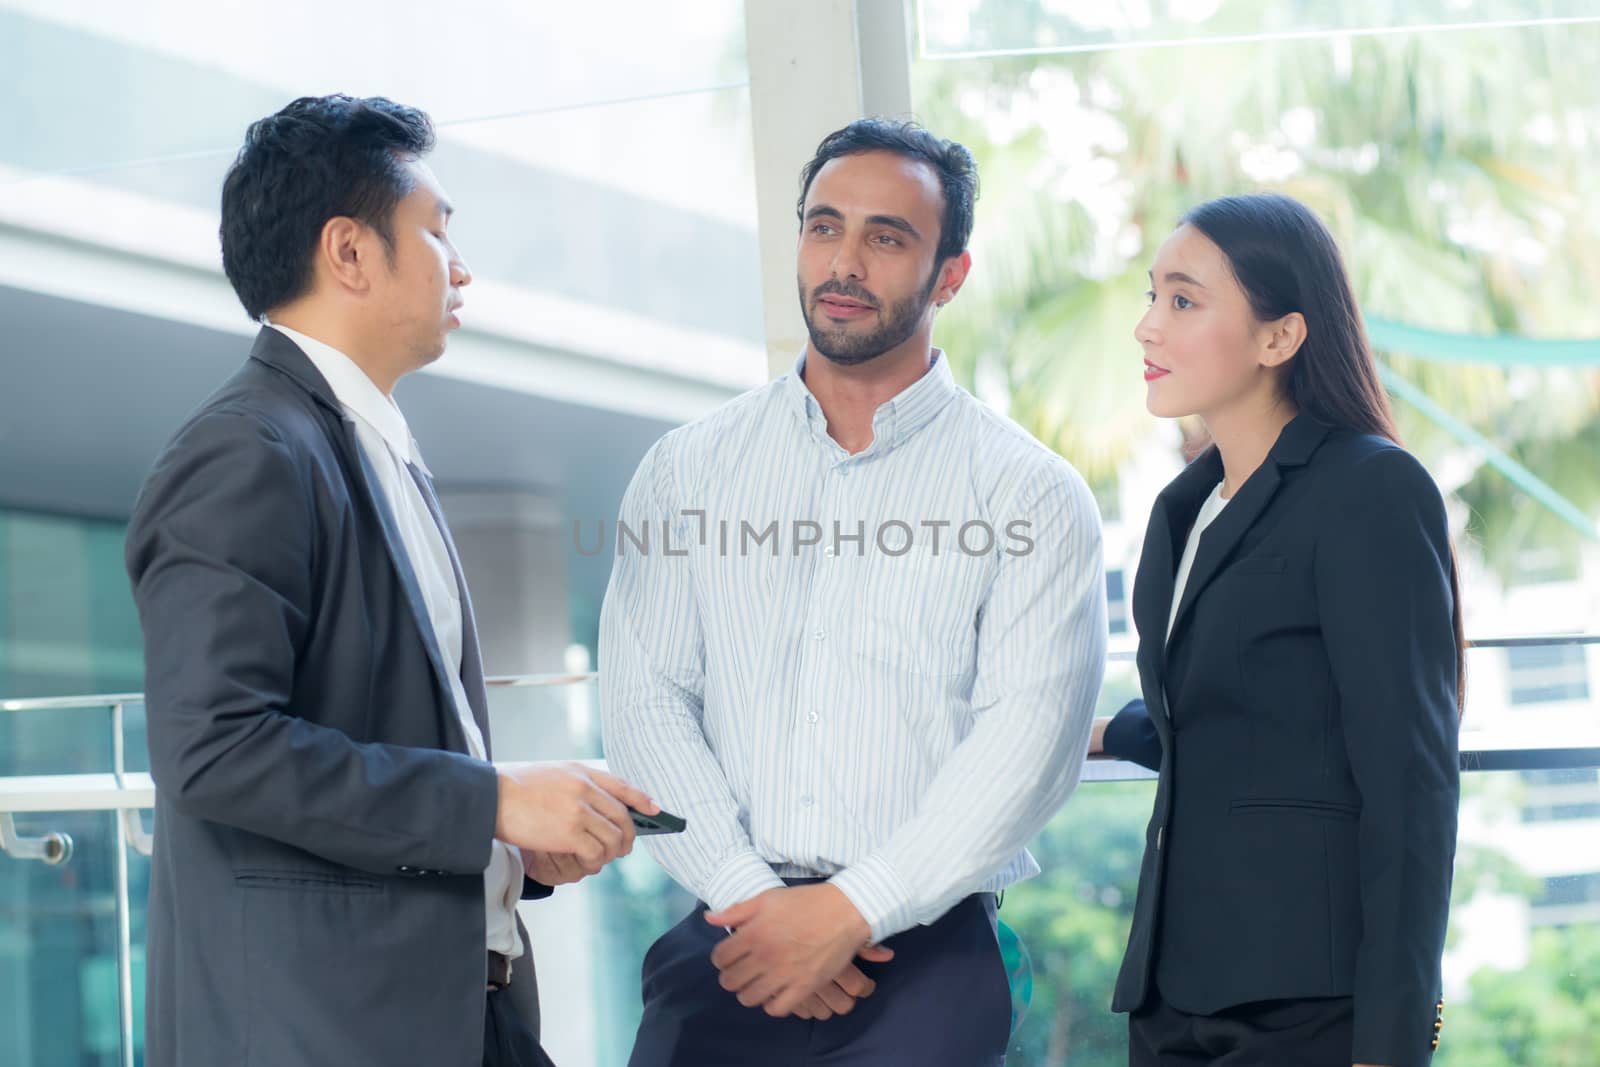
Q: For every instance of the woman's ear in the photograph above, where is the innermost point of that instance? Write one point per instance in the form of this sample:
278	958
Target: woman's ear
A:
1283	339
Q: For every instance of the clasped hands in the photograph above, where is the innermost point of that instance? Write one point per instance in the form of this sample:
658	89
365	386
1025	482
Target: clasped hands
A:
792	952
569	820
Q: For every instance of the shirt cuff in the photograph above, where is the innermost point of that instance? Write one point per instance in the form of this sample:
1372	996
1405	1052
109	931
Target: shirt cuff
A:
739	879
879	894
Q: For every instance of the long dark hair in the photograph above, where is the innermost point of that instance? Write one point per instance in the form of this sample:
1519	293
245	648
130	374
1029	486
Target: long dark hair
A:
1285	260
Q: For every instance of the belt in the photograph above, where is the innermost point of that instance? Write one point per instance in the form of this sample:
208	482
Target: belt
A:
499	972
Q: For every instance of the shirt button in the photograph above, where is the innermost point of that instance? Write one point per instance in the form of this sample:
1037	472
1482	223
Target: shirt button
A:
820	634
830	552
805	800
812	716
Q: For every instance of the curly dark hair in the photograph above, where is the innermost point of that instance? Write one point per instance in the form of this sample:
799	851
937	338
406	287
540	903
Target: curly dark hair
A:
958	174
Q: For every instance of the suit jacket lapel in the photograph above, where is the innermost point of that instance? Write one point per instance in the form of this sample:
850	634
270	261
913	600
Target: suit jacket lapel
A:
409	584
1152	595
1170	518
1293	448
1220	538
283	355
471	656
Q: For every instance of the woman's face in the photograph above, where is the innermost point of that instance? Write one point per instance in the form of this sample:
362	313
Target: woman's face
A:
1204	350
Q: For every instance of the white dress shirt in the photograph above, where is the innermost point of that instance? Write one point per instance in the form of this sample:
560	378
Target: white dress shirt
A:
880	706
1208	514
388	445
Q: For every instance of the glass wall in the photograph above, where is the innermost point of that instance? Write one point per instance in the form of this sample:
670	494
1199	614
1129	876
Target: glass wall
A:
599	158
67	622
591	196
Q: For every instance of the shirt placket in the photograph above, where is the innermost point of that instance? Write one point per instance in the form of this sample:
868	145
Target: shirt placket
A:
810	719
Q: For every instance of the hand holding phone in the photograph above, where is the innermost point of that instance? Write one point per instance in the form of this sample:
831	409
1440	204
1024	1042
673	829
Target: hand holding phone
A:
663	822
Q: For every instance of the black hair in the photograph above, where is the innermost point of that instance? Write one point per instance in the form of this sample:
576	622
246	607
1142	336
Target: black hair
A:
958	173
1285	260
321	157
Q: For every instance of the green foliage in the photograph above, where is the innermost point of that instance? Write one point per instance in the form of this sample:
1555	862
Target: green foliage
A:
1074	919
1547	1014
1450	165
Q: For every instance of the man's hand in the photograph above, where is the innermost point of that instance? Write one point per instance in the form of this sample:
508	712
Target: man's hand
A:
789	946
553	868
568	809
839	996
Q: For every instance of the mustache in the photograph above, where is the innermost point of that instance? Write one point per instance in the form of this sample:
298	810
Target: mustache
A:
838	288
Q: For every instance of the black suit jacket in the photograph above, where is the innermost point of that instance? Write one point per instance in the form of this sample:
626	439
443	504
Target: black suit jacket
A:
1303	720
321	835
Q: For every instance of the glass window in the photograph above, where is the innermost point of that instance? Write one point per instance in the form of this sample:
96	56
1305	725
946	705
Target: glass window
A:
1452	166
1542	674
67	620
1116	602
964	28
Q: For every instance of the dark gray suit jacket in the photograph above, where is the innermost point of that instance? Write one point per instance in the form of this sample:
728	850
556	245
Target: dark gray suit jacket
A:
1303	718
317	892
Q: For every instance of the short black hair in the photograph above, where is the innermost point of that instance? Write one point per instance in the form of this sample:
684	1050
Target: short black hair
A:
321	157
958	173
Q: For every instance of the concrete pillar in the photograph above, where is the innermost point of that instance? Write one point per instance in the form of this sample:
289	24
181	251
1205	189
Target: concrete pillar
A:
815	65
514	551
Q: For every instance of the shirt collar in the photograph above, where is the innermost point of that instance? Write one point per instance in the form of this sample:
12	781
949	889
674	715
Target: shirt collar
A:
358	394
896	419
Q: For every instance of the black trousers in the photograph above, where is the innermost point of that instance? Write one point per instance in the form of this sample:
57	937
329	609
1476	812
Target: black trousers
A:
507	1041
943	1001
1316	1032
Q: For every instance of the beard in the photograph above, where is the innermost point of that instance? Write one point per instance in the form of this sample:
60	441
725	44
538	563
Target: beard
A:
848	349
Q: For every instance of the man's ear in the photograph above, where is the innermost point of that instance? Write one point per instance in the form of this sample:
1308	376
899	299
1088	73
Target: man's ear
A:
952	276
344	253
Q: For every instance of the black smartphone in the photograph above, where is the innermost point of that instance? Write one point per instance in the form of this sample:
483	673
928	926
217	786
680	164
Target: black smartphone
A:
663	822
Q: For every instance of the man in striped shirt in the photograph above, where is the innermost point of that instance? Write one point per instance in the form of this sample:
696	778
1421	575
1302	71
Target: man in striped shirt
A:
854	634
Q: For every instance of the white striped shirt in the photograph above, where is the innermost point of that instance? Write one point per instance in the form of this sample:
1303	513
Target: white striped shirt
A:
824	676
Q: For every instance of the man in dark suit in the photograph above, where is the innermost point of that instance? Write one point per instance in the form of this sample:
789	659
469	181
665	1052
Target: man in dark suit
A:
337	862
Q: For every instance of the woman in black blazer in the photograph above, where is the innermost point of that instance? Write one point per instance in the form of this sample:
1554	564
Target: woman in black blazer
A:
1300	653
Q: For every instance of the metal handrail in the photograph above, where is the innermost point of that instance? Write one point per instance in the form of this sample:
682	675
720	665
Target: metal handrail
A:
527	681
132	833
107	700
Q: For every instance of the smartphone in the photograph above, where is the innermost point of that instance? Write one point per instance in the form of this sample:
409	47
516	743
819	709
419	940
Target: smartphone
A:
663	822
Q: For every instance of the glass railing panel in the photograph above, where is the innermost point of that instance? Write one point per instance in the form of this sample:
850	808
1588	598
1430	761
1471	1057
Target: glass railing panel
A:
59	977
545	717
1527	895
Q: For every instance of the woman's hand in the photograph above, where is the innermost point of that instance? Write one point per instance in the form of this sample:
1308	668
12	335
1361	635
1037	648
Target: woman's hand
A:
1097	739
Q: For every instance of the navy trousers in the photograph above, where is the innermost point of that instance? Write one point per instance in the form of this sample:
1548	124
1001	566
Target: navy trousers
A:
507	1041
943	1001
1315	1032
